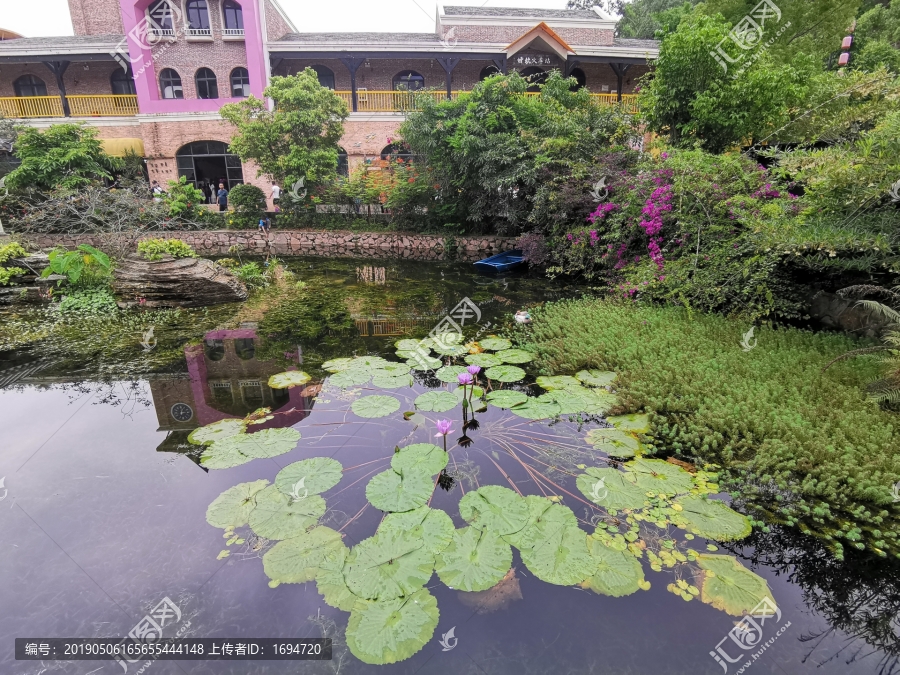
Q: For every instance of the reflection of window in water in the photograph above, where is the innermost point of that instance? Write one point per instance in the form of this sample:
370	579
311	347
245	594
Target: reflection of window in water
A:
244	348
279	398
222	393
370	275
252	393
214	350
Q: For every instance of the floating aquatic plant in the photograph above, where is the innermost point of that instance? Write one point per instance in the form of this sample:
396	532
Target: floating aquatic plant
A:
436	401
375	406
475	560
494	344
290	378
506	398
309	476
217	431
505	373
241	448
515	356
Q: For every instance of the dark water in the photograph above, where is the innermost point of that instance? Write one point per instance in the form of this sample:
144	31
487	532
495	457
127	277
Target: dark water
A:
102	514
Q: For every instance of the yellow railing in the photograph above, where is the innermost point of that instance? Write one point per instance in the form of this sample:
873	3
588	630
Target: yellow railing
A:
31	106
629	101
401	101
103	105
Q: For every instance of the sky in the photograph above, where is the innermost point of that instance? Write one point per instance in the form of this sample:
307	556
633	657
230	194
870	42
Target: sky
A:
36	18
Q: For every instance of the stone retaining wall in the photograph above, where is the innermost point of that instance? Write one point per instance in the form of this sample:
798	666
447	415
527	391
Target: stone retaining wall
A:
313	242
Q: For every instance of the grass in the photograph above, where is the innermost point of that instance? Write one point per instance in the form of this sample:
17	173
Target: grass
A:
799	446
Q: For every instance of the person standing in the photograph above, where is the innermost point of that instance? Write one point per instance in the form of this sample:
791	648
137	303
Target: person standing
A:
157	192
222	197
276	193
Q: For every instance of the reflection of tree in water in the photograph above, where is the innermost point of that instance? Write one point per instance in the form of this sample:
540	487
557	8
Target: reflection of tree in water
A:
859	595
130	396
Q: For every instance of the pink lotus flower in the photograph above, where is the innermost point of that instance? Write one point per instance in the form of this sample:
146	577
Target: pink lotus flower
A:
464	378
443	428
474	370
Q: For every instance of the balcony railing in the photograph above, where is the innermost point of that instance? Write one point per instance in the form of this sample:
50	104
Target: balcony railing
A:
100	105
233	32
199	32
404	101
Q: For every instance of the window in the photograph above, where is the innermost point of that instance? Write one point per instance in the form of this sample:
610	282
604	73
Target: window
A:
395	151
580	77
30	85
408	80
162	21
198	18
207	85
122	82
240	83
209	163
170	84
343	167
234	18
487	71
536	76
326	76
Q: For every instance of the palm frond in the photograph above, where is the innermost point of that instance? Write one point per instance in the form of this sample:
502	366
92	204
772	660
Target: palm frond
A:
880	309
884	391
861	290
856	352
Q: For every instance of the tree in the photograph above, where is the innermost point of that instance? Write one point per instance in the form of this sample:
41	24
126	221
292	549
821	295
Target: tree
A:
640	18
65	156
8	135
298	138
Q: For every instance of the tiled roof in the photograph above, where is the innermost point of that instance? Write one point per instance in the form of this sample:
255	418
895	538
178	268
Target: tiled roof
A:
360	38
636	44
523	12
61	42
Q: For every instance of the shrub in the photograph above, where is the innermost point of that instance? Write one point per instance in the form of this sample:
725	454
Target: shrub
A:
88	301
183	200
86	266
155	249
8	251
249	204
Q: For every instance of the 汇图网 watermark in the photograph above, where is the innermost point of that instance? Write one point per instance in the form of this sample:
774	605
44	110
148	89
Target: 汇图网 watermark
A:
748	35
748	634
746	338
157	26
150	629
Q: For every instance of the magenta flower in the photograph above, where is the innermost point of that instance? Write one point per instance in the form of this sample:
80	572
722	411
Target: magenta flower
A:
464	378
474	370
443	427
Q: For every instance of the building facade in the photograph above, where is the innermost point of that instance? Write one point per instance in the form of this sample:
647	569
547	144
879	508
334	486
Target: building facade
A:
151	75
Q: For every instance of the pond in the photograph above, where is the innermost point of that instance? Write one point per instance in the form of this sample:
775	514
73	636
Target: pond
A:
277	470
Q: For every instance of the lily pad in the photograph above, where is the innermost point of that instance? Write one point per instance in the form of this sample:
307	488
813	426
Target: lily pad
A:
598	401
278	516
217	431
596	378
424	363
391	491
411	345
392	630
392	369
263	444
733	588
223	457
290	378
515	356
449	373
637	423
611	489
433	526
483	360
658	475
562	557
232	508
618	573
506	398
384	380
496	508
536	408
505	373
614	442
436	401
331	584
543	517
494	344
450	350
309	476
387	565
370	362
375	406
556	381
571	400
475	560
351	377
298	559
712	519
335	365
419	457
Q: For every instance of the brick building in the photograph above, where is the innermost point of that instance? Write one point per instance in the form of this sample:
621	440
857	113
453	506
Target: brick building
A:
151	75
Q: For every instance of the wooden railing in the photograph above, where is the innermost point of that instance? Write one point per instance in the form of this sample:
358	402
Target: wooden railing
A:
100	105
403	101
31	106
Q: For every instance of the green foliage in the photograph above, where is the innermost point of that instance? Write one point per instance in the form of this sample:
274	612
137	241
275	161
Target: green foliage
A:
88	301
249	204
65	155
804	447
644	18
85	266
183	200
8	251
155	249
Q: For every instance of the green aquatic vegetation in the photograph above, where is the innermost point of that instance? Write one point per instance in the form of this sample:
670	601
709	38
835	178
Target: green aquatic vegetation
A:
560	555
290	378
337	365
618	573
635	423
388	565
85	302
711	519
514	356
595	378
242	447
494	344
232	508
475	560
298	559
496	508
433	526
217	431
309	476
660	476
400	491
556	381
350	377
436	401
419	457
424	363
448	373
729	586
543	516
483	360
375	406
384	379
392	630
611	489
279	516
506	398
505	373
537	409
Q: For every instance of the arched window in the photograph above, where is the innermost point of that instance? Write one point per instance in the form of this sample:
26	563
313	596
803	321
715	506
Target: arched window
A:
234	18
535	75
396	151
580	78
240	83
408	80
198	17
122	82
170	84
209	163
162	19
343	167
30	85
326	76
487	71
207	85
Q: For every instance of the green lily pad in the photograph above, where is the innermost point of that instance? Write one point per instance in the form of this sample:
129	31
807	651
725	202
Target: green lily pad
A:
298	559
240	449
424	363
556	381
543	516
505	373
391	491
387	565
614	442
494	344
561	558
232	508
411	345
433	526
335	365
384	380
537	409
483	360
496	508
618	573
331	584
278	516
448	338
392	630
375	406
290	378
217	431
450	350
597	401
596	378
419	457
637	423
611	489
475	560
734	589
350	377
370	362
410	354
223	457
309	476
712	519
392	369
657	475
449	373
571	400
506	398
515	356
436	401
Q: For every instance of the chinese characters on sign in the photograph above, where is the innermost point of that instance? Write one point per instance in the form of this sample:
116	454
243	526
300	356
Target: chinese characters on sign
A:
534	60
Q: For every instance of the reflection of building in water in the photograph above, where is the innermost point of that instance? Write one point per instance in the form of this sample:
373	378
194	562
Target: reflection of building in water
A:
386	326
371	275
224	380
